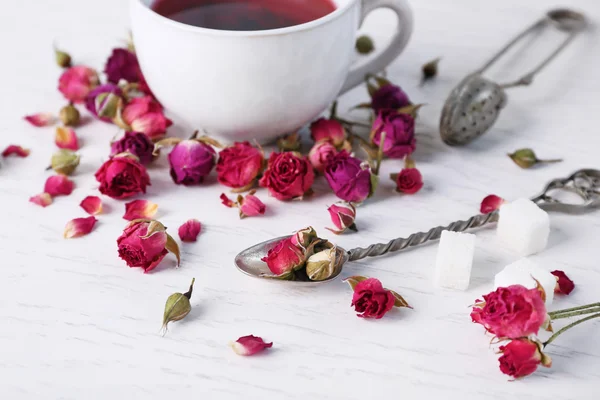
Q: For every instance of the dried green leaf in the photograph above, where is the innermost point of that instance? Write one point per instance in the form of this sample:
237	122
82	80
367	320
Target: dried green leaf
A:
355	280
411	109
173	247
399	300
154	227
164	143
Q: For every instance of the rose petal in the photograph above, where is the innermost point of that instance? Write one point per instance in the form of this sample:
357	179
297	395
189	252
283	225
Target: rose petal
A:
79	227
189	231
92	205
564	284
140	209
58	185
250	345
43	199
490	203
65	138
17	150
252	206
40	119
227	201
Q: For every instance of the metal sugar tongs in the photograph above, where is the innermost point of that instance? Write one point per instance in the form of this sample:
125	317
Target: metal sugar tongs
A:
585	183
474	105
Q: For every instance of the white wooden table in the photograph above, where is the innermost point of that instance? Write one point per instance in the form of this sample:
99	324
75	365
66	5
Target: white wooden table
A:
77	323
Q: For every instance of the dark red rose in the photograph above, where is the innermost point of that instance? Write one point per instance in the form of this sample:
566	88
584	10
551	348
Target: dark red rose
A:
122	176
138	251
371	300
389	97
137	144
564	285
122	64
289	175
521	357
239	165
408	181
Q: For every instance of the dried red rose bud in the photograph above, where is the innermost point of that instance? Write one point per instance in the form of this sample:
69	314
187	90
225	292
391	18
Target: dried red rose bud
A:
250	345
135	143
387	96
239	166
79	227
526	158
521	357
328	129
146	115
342	215
66	138
321	154
371	299
40	119
248	205
140	209
69	115
92	205
18	151
284	258
349	178
409	180
289	175
189	231
77	82
43	199
491	203
58	185
564	285
122	176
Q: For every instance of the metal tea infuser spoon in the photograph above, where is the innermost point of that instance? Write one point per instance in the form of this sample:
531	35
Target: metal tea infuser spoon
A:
473	106
585	183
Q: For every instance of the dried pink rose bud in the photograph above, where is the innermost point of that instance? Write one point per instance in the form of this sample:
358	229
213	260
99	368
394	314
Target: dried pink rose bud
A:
66	138
92	205
58	185
140	209
43	199
328	129
122	65
13	149
249	205
144	114
342	215
408	181
491	203
564	285
135	143
321	154
191	161
189	231
76	82
239	165
250	345
284	258
40	119
304	237
79	227
371	299
104	102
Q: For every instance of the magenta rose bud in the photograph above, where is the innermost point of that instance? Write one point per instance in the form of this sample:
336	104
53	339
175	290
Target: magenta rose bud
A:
135	143
141	252
343	216
284	258
122	176
144	114
122	64
328	129
102	97
371	300
239	165
521	357
399	133
191	161
77	82
321	154
252	206
349	178
389	97
289	175
408	181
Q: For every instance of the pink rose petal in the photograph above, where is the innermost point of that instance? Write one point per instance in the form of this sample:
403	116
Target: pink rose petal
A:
490	204
564	285
140	209
40	119
79	227
251	206
92	205
16	150
58	185
189	231
227	201
250	345
43	199
65	138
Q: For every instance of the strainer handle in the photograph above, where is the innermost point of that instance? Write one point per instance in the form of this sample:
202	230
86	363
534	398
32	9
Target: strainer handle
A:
377	63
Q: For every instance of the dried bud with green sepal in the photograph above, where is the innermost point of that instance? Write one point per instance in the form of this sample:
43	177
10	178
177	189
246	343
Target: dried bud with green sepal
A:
289	142
64	162
430	69
62	58
69	115
526	158
177	307
325	262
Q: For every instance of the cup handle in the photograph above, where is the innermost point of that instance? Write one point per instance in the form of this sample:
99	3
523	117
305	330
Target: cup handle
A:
377	63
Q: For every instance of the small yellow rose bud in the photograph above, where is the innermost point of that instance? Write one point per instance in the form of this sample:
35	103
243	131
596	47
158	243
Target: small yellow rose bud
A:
64	162
526	158
69	115
323	264
62	58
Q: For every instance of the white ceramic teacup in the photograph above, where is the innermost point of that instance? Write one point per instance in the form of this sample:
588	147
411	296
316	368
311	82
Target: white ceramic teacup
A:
244	85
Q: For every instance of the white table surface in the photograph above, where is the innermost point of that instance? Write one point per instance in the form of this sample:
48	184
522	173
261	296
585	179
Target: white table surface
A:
77	323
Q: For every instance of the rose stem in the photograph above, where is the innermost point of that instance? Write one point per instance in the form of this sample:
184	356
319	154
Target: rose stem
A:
571	325
333	113
575	313
343	121
574	308
554	160
380	152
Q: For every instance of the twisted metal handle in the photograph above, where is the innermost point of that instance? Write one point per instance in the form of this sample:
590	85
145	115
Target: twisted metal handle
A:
419	238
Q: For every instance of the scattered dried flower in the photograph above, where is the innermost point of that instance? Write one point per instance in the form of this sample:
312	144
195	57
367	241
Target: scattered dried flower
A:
239	166
66	138
40	119
364	44
284	258
104	101
79	227
140	209
43	199
122	176
249	345
409	180
191	160
521	357
526	158
69	115
18	151
491	203
289	175
386	96
135	143
63	59
92	205
564	285
77	82
122	65
321	154
144	114
64	162
370	299
399	133
249	205
430	69
177	306
58	185
328	129
189	231
349	178
324	262
342	215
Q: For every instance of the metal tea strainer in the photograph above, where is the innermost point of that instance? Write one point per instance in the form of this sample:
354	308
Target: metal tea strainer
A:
473	106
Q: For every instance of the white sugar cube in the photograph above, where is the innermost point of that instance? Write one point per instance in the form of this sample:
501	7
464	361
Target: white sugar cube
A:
524	227
454	260
525	272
